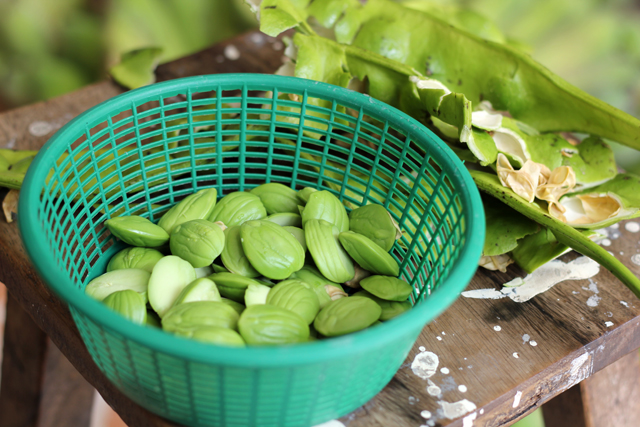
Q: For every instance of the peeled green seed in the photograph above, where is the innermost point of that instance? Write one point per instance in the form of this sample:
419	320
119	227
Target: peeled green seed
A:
387	288
196	206
169	277
298	233
198	241
313	277
328	255
239	308
374	222
218	268
270	325
286	219
193	315
238	207
390	309
204	272
137	231
303	195
271	249
277	197
296	296
198	290
370	256
129	304
214	335
346	315
256	294
232	286
233	256
118	280
141	258
326	206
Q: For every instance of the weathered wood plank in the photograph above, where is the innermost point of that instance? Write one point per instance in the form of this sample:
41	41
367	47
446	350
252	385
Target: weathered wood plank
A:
573	340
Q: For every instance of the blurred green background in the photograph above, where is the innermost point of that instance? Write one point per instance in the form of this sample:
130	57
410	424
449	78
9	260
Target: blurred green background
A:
50	47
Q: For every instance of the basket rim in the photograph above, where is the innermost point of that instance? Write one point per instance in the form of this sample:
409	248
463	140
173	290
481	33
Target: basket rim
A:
256	357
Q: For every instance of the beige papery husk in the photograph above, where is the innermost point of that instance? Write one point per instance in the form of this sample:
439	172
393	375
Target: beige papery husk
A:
497	262
523	182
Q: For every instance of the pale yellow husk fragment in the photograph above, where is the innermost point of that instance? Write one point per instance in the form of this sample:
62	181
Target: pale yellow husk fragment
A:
588	208
10	204
498	262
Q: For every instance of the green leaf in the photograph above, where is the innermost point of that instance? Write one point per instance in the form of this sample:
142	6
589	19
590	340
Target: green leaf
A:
537	249
136	68
565	234
277	16
505	227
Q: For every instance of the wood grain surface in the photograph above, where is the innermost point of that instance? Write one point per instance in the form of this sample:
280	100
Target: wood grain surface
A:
573	339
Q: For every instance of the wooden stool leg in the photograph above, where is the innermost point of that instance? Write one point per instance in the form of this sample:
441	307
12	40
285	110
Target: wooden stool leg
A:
22	368
609	398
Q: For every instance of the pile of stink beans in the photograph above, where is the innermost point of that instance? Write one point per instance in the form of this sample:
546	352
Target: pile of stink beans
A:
264	267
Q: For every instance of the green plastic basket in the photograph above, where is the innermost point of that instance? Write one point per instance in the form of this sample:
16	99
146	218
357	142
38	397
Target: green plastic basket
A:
143	151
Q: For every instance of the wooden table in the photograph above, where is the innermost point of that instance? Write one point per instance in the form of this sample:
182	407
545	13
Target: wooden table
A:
483	356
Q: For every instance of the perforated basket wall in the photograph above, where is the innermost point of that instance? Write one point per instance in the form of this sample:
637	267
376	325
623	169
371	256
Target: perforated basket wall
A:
143	151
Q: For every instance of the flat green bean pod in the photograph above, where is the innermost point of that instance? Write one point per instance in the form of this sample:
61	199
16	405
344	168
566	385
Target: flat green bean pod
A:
375	222
118	280
346	315
368	255
137	231
271	325
213	335
237	208
169	277
232	286
199	290
387	288
328	255
141	258
271	249
198	241
129	304
277	198
233	256
193	315
296	296
196	206
326	206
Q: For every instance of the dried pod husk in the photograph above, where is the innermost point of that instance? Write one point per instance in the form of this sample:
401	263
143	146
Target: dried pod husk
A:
277	198
335	292
361	273
497	262
271	325
237	208
137	231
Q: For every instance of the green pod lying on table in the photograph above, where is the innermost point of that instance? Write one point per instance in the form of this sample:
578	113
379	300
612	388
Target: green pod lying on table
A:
196	206
213	335
198	241
271	249
141	258
190	316
119	280
129	304
137	231
277	198
347	315
270	325
237	208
